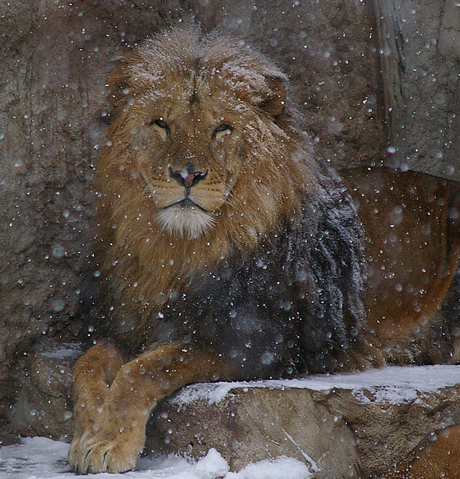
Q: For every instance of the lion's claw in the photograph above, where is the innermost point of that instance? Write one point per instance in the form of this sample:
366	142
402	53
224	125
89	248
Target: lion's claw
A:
96	454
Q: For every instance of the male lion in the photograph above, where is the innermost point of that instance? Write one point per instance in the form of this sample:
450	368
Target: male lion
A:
227	252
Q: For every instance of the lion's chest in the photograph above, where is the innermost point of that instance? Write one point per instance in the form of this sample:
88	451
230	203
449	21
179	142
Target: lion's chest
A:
255	311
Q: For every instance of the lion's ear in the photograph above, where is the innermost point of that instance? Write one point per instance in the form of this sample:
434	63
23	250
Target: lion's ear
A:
118	84
274	103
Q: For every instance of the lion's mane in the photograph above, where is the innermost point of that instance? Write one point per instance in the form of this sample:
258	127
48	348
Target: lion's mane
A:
270	274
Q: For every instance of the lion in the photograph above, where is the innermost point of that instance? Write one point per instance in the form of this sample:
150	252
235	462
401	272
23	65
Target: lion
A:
228	251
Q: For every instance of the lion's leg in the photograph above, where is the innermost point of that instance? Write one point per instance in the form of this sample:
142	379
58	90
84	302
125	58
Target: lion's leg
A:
437	456
120	427
93	373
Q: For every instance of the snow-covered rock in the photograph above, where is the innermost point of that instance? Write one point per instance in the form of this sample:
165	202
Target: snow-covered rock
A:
334	425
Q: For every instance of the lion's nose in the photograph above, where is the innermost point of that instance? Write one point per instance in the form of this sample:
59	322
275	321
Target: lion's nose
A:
187	177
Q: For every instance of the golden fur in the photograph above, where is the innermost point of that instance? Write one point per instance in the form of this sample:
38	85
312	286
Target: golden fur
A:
412	224
136	185
436	456
226	251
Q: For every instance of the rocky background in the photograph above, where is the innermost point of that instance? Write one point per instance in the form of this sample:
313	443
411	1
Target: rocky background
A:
377	81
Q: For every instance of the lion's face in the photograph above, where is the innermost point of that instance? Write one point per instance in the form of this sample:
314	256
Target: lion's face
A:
202	142
189	153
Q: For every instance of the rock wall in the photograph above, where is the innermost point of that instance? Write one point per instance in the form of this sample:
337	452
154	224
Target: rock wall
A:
419	46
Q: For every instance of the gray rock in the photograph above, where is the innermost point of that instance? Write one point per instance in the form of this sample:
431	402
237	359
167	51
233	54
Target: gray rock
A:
255	423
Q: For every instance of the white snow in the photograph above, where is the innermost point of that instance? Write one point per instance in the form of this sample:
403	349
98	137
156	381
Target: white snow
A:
42	458
64	351
394	385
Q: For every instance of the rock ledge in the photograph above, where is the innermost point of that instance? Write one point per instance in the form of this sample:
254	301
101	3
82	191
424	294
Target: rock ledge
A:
341	426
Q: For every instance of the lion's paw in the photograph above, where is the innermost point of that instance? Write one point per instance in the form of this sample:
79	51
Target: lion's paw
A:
97	454
76	445
106	456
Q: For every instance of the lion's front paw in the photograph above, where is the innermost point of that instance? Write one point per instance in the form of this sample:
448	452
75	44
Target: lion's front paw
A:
77	444
106	456
97	453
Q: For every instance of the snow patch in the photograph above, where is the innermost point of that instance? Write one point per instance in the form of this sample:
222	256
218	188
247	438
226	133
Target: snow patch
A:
280	468
64	351
42	458
394	385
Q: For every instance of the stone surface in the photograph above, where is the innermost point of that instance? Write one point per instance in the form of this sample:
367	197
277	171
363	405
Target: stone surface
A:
251	424
419	45
43	406
337	425
343	423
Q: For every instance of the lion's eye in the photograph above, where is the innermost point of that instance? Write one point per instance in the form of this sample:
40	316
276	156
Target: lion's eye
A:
222	131
161	123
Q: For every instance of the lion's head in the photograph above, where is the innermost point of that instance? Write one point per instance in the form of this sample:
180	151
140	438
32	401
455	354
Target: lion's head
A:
191	117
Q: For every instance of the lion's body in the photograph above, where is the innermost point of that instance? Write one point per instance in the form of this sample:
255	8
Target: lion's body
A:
411	223
271	211
225	250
